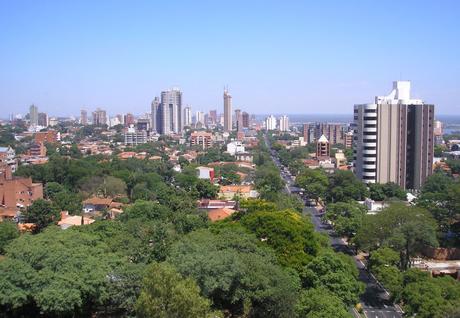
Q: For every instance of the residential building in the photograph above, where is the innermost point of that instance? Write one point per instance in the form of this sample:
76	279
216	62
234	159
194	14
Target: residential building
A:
83	117
213	117
201	138
129	119
270	123
245	119
155	115
241	191
16	192
7	157
238	120
99	117
393	139
49	136
187	116
348	140
284	123
323	148
135	137
308	133
437	133
199	118
37	150
33	115
235	147
143	124
227	111
171	111
43	119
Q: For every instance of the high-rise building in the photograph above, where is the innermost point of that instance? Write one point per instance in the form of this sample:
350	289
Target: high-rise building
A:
270	123
199	118
43	119
33	115
188	116
284	123
238	120
227	111
213	117
245	118
99	117
437	132
155	115
83	117
171	111
129	119
393	139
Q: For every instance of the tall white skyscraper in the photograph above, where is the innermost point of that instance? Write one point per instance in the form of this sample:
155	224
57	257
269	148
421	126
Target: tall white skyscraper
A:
270	123
171	111
187	116
227	111
284	123
393	139
199	118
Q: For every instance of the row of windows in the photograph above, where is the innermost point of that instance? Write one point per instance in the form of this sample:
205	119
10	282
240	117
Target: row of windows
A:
370	110
370	148
370	126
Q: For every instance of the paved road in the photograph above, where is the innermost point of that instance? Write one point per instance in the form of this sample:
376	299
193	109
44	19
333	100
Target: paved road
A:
375	300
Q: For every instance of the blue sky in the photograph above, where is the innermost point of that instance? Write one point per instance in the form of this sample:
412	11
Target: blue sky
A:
275	56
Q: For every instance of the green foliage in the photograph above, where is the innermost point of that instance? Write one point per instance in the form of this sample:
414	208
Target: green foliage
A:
288	233
315	183
8	232
346	217
320	302
404	228
381	192
345	186
166	294
429	297
42	213
383	256
335	272
268	181
107	186
239	277
34	274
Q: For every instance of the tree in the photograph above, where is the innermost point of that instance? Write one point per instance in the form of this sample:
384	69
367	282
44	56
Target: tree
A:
166	294
107	186
42	213
404	228
232	270
8	232
288	233
314	182
380	192
345	186
335	272
206	189
319	303
346	217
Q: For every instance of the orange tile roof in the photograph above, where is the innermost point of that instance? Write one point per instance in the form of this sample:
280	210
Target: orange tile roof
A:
98	201
235	188
219	214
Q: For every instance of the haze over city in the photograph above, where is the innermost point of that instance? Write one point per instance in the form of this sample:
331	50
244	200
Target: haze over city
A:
299	57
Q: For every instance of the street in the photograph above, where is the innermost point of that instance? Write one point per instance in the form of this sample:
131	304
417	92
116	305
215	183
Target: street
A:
375	300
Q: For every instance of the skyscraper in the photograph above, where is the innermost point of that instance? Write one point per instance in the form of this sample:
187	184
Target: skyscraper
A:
33	115
83	117
187	116
213	117
245	118
129	119
43	119
155	115
171	111
199	118
270	123
394	139
238	120
227	111
99	117
284	123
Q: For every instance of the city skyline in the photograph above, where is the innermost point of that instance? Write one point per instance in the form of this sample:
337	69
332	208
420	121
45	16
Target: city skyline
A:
65	57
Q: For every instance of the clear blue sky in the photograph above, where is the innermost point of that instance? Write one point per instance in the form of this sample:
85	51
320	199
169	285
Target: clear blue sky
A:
275	56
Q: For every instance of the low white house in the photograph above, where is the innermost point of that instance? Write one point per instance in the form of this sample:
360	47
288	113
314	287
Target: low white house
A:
235	147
